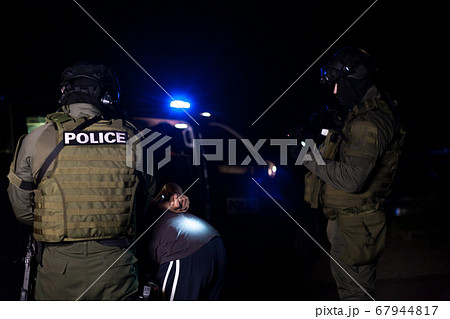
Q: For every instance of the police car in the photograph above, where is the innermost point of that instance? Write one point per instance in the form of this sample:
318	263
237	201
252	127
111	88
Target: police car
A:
203	147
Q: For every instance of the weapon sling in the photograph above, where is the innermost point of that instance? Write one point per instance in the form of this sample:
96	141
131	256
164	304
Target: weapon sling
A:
60	146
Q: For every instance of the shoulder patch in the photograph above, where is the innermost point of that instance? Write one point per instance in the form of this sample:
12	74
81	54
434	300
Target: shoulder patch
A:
364	132
363	140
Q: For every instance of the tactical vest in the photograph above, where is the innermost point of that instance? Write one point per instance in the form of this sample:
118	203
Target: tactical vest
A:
320	194
89	193
313	184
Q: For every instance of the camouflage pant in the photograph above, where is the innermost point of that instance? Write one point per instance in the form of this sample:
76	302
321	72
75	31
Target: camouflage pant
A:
68	270
364	275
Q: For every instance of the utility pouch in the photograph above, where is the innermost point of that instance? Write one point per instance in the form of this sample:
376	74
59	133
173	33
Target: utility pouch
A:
364	234
313	187
313	184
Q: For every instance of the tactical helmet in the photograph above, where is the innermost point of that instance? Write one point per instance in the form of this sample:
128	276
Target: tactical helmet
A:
352	70
90	80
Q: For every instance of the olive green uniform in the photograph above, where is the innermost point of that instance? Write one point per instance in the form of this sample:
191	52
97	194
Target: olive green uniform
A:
85	201
351	188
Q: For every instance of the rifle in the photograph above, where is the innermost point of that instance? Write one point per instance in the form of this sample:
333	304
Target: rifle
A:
329	118
28	285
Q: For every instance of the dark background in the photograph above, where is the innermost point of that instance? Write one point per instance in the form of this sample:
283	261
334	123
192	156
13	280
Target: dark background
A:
234	58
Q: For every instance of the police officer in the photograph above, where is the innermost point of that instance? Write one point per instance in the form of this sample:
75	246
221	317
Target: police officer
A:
190	254
70	181
361	158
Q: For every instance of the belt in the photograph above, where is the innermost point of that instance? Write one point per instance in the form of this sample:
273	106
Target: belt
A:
119	242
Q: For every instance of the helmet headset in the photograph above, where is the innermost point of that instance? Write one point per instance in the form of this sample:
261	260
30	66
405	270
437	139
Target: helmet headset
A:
92	81
347	63
351	69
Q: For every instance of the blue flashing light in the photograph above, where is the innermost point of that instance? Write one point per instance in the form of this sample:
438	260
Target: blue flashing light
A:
178	104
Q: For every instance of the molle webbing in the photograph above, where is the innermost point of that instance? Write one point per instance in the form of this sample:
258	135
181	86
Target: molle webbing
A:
51	157
313	184
379	185
90	192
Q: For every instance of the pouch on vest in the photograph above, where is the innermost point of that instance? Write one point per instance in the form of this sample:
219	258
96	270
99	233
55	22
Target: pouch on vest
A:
364	235
313	187
313	184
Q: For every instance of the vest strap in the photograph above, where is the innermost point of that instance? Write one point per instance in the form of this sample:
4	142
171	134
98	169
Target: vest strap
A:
51	157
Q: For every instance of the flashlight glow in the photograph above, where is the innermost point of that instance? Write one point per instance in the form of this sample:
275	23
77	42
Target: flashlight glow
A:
272	170
190	226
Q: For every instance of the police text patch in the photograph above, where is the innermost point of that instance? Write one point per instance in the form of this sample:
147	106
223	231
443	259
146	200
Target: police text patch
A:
95	138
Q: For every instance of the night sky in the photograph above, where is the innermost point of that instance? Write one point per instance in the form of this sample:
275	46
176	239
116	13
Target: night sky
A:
234	58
